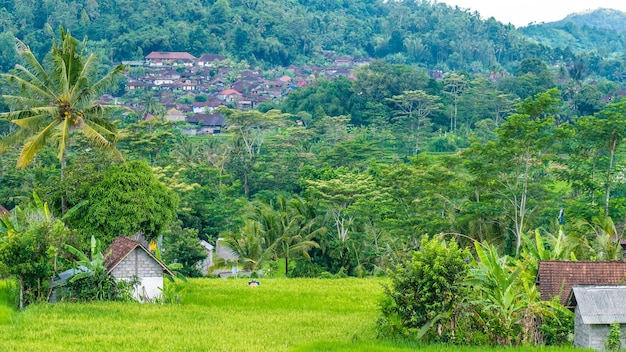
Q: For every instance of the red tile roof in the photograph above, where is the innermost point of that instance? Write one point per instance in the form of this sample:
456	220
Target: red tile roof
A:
229	92
121	248
3	210
557	277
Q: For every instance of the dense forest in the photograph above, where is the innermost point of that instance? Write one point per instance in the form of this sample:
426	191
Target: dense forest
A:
602	32
269	33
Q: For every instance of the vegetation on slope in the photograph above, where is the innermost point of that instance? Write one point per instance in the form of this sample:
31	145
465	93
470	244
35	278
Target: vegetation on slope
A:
273	32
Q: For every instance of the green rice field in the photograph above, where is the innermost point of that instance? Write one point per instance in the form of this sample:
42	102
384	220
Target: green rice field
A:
219	315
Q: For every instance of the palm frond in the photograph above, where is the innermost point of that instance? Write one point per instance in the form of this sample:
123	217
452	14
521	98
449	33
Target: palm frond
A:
95	137
34	65
61	74
102	126
19	101
32	122
32	87
34	144
98	113
11	140
101	85
82	80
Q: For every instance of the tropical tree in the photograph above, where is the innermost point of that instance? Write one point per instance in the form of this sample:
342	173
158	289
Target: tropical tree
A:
250	130
514	166
127	199
415	108
30	240
56	98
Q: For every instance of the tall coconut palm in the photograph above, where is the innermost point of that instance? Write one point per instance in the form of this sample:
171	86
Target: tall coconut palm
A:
56	98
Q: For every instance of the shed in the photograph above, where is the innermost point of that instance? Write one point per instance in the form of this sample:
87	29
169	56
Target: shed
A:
596	307
556	277
127	258
61	279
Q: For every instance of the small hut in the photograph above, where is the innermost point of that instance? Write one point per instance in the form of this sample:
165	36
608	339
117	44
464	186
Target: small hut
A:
596	307
127	259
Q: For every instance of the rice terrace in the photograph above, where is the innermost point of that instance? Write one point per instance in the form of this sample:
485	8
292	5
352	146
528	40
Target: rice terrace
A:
219	315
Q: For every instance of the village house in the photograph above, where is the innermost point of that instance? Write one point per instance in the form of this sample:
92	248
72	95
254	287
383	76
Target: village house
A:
209	60
229	95
202	124
174	115
159	58
127	259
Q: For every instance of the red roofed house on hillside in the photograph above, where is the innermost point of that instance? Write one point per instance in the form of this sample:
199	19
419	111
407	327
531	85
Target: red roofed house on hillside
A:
126	259
229	95
159	58
556	277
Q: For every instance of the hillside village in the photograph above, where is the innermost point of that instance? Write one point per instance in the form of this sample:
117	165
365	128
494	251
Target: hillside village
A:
191	88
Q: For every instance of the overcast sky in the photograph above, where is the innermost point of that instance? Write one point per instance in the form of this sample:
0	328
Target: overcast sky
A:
522	12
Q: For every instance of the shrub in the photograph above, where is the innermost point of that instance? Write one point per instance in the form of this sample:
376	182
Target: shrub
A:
101	287
426	290
613	340
557	328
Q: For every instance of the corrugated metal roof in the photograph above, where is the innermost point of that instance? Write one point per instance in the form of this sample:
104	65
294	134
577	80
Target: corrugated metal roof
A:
601	304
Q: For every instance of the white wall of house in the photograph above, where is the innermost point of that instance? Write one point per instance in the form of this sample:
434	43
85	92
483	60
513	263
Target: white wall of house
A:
138	263
149	288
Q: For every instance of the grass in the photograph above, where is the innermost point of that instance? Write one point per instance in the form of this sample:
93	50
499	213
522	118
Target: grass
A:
8	301
219	315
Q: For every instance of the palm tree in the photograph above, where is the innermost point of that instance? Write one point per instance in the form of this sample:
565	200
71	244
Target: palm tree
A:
287	227
54	100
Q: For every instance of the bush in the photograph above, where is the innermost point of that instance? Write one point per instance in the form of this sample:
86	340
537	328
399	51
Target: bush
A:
426	291
557	328
305	268
100	287
613	340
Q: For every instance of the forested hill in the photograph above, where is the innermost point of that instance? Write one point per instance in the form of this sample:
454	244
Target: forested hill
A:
273	32
601	30
599	18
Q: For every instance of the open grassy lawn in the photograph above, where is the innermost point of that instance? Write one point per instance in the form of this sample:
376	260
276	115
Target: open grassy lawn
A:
217	315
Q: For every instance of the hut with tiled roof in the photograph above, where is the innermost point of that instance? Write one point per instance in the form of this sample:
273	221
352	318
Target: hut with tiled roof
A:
127	259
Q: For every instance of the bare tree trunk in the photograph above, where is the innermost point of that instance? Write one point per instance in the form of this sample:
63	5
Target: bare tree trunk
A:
522	205
21	294
63	194
607	196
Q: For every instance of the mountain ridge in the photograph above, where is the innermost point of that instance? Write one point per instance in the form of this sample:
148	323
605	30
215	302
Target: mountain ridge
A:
602	17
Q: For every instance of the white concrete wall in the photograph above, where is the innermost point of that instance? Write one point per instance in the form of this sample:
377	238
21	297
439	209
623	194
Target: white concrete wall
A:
149	288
